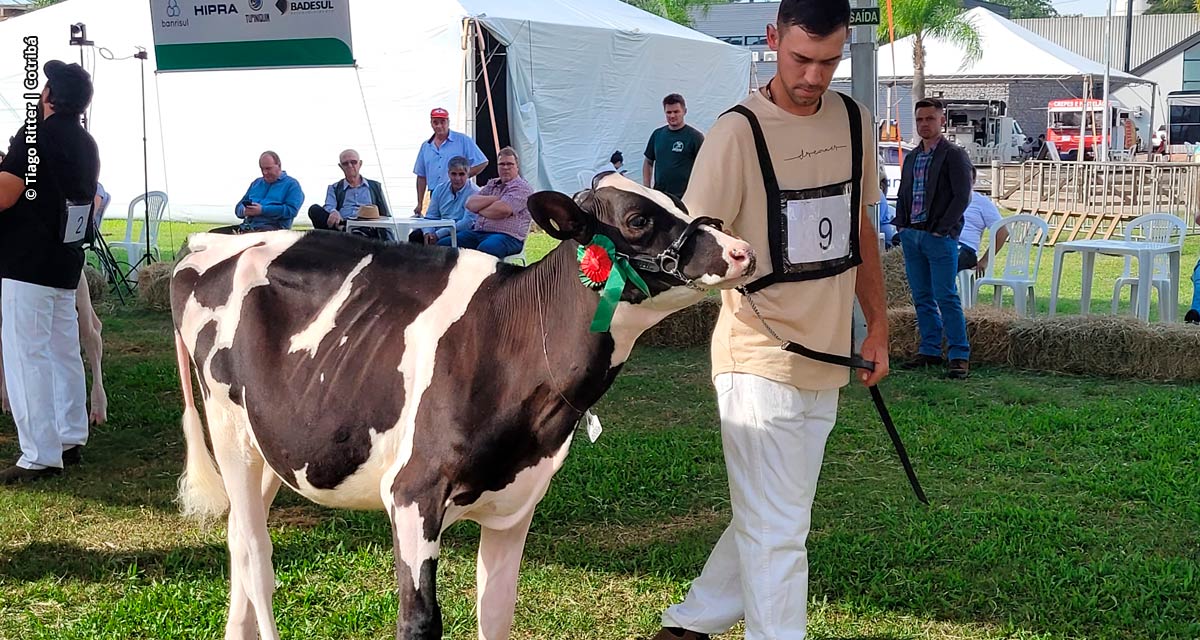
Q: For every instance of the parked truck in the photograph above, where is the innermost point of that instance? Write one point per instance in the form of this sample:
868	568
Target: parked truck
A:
983	129
1070	120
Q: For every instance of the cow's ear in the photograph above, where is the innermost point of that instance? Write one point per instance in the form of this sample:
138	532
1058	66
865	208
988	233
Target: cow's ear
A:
558	215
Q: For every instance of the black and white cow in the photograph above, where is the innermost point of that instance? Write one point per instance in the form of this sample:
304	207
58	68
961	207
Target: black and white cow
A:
438	385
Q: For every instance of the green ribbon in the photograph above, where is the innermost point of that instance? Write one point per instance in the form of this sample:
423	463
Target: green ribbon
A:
621	273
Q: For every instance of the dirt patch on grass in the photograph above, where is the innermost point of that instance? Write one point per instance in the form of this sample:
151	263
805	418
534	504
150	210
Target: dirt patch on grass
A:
299	517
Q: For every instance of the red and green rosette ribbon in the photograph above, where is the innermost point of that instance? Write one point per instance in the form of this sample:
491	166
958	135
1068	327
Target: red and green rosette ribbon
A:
601	268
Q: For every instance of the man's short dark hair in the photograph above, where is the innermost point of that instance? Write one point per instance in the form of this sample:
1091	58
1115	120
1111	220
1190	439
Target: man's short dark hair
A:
271	154
818	18
459	162
674	98
70	87
929	103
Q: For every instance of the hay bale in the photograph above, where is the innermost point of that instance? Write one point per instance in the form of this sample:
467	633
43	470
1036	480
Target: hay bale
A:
987	331
895	280
97	284
690	327
154	286
903	338
1118	346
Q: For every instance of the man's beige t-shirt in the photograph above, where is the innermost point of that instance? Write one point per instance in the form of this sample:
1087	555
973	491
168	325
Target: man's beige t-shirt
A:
727	183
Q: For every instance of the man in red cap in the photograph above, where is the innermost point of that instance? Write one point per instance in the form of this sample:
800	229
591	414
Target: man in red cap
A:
434	156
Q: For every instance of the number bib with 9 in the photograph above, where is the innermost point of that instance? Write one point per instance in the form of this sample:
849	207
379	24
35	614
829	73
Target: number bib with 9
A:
818	229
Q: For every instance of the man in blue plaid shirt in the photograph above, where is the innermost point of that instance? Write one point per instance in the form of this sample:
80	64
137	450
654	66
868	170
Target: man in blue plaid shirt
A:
935	189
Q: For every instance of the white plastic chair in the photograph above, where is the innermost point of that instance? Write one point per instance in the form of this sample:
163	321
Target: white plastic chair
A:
585	179
519	258
516	258
1152	227
136	248
966	287
1021	262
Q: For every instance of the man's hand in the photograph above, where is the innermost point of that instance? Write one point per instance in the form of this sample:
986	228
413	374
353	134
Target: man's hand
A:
335	218
417	211
874	349
253	209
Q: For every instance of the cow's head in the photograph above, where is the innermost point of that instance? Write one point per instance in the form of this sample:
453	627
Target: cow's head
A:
671	251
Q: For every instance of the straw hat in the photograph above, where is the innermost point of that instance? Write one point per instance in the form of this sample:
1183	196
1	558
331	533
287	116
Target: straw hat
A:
368	212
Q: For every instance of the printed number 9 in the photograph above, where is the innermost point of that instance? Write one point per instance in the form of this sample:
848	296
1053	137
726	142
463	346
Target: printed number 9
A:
825	228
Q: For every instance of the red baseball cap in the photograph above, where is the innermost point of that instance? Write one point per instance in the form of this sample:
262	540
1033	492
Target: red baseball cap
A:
439	113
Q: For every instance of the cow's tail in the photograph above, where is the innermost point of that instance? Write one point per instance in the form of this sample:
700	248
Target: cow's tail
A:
201	490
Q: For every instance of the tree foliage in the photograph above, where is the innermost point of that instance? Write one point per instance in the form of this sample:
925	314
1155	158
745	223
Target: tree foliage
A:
1029	8
679	11
1173	6
941	19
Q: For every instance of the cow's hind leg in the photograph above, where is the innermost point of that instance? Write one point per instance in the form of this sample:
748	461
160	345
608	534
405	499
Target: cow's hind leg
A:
417	532
241	624
252	580
496	571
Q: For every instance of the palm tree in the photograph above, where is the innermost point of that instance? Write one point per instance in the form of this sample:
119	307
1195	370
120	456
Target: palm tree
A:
940	19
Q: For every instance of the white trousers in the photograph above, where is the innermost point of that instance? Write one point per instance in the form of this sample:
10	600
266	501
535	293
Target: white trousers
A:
43	371
773	436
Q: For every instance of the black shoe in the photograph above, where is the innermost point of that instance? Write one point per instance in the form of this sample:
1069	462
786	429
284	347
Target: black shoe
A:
922	361
675	633
1192	317
18	475
72	455
958	370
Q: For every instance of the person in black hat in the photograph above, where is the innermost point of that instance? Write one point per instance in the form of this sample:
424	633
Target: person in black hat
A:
45	217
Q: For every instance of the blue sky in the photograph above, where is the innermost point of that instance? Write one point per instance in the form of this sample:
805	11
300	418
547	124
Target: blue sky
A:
1086	7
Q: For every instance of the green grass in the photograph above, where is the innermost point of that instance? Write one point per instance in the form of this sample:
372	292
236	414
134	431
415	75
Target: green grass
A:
1107	270
1062	508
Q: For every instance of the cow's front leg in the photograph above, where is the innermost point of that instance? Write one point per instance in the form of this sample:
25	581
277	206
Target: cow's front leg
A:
416	532
496	571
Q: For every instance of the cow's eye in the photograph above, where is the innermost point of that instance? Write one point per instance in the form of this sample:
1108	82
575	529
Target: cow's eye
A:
638	221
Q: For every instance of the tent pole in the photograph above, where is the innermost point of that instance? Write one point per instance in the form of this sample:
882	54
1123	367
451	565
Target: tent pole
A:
1153	100
487	85
1106	119
468	86
1083	115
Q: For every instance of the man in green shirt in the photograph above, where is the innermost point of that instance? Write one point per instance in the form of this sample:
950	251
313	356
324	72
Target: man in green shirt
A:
672	150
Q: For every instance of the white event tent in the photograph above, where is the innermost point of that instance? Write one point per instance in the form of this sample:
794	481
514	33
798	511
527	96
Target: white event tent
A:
573	80
1010	53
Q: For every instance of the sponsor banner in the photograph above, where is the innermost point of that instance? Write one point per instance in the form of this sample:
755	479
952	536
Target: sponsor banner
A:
192	35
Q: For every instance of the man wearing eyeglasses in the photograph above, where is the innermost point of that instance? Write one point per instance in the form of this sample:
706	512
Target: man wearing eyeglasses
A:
501	213
344	197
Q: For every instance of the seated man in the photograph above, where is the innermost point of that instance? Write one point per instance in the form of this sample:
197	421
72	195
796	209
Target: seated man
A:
981	214
344	197
271	202
502	217
886	214
449	202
